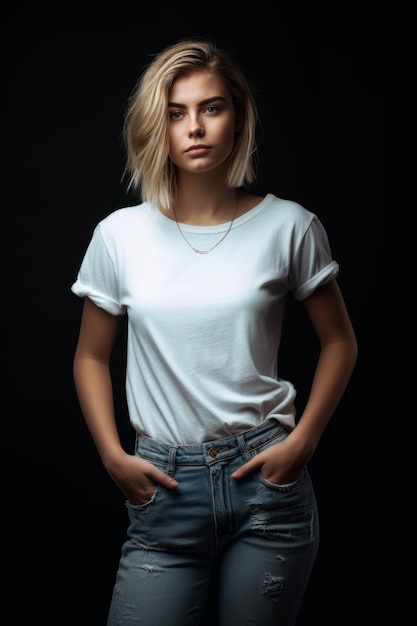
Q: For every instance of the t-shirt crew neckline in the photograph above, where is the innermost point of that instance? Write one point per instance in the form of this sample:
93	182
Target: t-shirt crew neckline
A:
216	228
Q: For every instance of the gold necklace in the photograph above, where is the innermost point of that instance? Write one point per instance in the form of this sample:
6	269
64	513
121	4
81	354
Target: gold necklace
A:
196	250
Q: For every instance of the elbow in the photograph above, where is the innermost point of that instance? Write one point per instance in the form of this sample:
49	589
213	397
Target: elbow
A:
351	351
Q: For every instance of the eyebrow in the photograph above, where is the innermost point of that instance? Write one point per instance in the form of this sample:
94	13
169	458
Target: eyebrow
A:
202	103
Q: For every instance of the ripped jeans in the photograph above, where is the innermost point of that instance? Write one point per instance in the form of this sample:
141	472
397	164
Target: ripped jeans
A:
257	540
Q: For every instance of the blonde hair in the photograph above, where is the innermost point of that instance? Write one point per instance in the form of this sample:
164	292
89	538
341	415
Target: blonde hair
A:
145	130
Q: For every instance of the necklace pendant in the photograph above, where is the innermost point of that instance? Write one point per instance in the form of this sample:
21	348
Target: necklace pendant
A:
201	251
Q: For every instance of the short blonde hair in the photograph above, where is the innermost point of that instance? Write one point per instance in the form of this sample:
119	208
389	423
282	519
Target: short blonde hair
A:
145	130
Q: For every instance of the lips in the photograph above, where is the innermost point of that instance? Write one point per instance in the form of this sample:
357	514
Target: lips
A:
198	148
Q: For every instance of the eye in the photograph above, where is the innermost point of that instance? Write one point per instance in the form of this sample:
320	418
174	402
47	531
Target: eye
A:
175	115
212	109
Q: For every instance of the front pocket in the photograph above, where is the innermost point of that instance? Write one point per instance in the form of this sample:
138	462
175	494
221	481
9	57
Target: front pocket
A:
283	487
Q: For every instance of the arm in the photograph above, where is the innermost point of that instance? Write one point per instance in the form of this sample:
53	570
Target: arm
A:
94	389
338	353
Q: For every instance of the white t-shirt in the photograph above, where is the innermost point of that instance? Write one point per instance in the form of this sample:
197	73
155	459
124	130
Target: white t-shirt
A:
204	329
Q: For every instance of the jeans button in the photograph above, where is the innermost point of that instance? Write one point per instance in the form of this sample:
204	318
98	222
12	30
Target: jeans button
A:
213	452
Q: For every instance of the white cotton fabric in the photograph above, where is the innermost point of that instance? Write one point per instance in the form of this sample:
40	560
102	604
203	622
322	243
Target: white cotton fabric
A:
204	330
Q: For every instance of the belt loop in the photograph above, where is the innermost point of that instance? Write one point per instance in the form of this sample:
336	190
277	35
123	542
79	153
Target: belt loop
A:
171	460
243	448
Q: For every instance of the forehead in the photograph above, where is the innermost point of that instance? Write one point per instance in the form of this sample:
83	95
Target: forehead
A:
197	86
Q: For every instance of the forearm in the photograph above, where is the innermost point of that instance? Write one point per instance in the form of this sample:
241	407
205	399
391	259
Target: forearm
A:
95	394
333	372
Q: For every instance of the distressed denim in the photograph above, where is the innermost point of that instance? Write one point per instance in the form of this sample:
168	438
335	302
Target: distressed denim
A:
259	539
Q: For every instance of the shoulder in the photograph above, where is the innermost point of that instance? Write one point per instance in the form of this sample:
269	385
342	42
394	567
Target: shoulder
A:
286	207
249	201
281	211
125	220
121	225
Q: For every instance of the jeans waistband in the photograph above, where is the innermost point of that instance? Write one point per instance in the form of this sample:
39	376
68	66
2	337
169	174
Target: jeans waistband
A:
211	451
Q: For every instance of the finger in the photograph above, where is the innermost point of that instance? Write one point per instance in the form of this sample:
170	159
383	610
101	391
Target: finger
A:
163	479
246	469
170	482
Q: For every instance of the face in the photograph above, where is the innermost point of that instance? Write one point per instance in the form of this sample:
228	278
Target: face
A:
202	123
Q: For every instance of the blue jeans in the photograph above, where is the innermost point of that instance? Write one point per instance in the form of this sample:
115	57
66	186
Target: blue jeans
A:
260	539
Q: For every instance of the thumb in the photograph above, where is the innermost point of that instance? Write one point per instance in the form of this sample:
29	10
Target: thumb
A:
168	481
246	469
163	479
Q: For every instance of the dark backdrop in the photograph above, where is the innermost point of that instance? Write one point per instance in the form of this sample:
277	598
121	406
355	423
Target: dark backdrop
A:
67	73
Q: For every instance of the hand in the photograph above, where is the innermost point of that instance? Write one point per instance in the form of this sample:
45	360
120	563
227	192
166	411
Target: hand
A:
137	478
281	463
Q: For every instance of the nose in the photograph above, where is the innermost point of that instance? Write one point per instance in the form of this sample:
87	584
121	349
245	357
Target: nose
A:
196	131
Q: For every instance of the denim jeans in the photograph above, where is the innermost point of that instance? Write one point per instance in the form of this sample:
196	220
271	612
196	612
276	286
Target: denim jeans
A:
260	539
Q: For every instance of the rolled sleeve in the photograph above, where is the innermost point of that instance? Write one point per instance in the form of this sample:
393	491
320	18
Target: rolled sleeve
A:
97	278
324	276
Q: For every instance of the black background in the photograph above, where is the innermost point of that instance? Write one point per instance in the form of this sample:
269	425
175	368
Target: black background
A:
67	73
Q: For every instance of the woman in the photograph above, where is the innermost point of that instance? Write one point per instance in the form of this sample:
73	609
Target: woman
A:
218	481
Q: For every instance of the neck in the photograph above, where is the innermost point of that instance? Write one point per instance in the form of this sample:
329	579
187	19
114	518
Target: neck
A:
208	250
206	209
